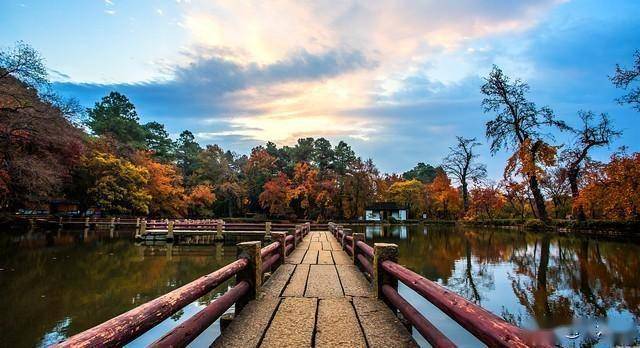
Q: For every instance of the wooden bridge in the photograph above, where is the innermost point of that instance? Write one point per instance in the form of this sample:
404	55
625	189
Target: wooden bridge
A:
321	289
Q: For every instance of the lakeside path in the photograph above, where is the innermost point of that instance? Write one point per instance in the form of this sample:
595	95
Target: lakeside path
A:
318	298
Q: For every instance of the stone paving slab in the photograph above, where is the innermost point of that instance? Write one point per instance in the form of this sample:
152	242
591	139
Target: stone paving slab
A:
274	285
341	258
335	245
296	255
315	246
298	282
323	282
326	245
310	257
293	324
337	325
353	281
248	327
325	258
381	327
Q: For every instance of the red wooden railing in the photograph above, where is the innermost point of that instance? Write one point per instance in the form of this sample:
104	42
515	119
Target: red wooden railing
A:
130	325
380	263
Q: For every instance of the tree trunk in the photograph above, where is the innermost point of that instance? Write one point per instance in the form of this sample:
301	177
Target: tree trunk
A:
540	208
465	195
578	211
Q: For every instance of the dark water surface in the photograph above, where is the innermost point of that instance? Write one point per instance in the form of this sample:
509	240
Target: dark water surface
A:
566	283
55	285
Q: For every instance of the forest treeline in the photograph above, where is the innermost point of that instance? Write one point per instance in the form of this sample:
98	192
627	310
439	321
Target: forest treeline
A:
105	157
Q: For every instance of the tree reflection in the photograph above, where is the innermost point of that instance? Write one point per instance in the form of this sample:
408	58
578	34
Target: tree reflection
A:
553	279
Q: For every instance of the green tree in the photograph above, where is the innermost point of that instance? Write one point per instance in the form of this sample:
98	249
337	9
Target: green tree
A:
423	172
187	151
323	154
157	140
116	116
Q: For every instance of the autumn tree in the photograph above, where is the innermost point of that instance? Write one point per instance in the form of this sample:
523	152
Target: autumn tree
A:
460	164
625	79
260	167
614	191
518	126
117	185
39	143
164	185
587	137
359	188
517	196
555	185
486	202
444	199
200	200
276	195
409	193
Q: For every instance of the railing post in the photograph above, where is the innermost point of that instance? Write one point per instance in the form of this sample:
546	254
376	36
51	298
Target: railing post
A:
170	231
383	252
252	274
267	230
294	232
356	238
308	224
280	237
219	235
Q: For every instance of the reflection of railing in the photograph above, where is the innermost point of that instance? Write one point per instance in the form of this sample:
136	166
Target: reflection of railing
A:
248	270
380	262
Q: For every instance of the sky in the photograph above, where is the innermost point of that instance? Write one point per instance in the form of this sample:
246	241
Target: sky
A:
397	80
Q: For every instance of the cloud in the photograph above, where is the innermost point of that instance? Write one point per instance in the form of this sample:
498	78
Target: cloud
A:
399	80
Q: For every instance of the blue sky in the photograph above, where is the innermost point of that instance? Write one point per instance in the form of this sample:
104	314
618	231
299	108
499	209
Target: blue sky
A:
396	80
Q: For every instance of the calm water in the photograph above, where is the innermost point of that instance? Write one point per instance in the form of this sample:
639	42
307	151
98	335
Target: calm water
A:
569	284
54	285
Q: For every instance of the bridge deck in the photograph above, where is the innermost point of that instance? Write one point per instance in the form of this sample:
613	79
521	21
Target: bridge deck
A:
318	298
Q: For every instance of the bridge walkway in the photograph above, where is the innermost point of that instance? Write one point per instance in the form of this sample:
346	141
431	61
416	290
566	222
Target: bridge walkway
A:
318	298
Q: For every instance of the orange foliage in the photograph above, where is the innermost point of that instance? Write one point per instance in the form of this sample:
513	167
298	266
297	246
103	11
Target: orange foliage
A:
276	195
486	202
164	186
200	197
531	158
444	199
613	192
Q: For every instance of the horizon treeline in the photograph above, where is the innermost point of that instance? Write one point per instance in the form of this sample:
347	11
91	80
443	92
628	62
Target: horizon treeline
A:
104	157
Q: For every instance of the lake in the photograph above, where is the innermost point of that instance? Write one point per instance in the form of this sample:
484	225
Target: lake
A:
56	284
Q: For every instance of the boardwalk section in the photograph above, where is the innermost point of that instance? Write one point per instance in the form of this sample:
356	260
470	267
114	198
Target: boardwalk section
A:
318	298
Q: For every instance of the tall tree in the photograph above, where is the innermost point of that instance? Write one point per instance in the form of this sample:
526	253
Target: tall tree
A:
460	164
624	78
587	137
116	116
518	126
157	140
187	151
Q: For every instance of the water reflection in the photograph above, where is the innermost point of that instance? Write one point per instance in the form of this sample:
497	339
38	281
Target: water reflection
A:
534	280
56	284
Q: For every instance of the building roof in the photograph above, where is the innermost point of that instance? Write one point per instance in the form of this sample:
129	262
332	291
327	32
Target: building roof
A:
385	206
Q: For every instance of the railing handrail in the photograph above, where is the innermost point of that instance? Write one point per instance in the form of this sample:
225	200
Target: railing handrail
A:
486	326
128	326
